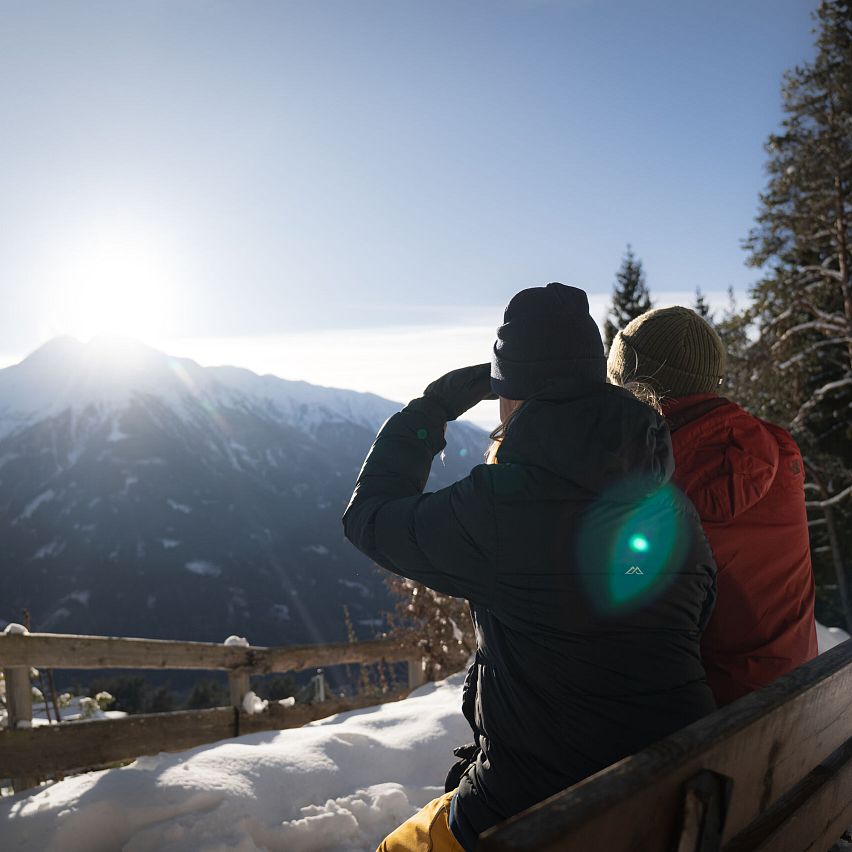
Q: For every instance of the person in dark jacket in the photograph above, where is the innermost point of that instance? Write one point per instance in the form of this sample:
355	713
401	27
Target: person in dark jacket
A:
589	578
746	479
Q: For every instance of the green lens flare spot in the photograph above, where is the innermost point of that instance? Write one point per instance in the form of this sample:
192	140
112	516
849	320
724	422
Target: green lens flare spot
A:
639	543
631	546
422	434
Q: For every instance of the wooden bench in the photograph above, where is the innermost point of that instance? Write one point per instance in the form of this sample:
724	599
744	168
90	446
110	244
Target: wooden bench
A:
772	771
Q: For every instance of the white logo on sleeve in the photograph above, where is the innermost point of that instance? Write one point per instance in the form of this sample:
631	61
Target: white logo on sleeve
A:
634	569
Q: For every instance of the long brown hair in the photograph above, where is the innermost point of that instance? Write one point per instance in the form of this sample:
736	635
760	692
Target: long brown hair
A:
497	434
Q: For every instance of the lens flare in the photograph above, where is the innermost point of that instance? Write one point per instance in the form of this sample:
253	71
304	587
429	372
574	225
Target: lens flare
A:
621	570
639	543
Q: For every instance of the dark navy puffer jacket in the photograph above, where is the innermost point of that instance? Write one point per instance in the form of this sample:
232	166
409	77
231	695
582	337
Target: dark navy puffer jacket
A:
588	574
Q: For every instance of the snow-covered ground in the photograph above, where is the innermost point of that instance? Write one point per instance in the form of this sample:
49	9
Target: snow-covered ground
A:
828	637
340	784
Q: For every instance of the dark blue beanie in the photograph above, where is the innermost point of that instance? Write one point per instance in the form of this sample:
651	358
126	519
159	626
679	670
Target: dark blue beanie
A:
547	337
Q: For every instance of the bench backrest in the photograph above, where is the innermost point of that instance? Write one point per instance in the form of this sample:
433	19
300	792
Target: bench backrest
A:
771	770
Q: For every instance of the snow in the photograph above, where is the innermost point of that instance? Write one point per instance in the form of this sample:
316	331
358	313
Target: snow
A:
54	618
237	641
49	549
168	543
44	497
116	434
342	783
203	568
319	549
354	584
828	637
252	704
280	611
107	374
179	507
337	785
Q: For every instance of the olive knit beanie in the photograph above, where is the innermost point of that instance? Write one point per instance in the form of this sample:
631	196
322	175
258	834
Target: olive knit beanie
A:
547	338
673	350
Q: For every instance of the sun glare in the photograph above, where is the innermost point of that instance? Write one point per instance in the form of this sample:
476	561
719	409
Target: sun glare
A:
111	282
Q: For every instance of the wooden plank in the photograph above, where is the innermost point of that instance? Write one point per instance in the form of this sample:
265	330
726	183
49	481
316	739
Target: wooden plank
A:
416	674
56	650
299	657
809	818
50	749
19	695
767	742
19	705
238	685
72	745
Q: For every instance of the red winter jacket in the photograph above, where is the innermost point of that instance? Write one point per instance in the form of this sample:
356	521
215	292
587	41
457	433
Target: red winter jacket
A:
746	479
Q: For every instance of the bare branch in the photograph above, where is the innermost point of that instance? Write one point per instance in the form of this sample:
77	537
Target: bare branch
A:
818	395
831	501
821	270
834	341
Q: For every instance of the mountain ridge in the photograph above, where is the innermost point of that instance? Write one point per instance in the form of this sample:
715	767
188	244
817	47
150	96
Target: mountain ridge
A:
147	495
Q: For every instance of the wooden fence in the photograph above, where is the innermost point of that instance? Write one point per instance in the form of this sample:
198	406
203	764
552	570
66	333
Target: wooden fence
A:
29	753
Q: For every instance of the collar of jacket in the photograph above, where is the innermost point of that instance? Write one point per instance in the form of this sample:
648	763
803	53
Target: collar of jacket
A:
683	410
593	435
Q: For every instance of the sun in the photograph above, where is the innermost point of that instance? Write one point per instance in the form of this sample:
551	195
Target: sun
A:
111	281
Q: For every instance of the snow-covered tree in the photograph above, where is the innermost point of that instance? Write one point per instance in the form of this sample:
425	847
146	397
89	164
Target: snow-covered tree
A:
630	296
802	242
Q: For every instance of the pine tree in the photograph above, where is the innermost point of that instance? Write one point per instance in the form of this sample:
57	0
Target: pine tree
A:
701	307
630	296
733	330
802	361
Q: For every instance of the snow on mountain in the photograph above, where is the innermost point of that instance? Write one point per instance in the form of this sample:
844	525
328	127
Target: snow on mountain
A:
214	494
108	373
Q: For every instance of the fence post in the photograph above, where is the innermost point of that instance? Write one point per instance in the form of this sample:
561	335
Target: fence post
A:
416	673
238	681
19	703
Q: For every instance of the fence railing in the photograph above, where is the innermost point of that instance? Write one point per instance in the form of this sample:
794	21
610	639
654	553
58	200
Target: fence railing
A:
29	753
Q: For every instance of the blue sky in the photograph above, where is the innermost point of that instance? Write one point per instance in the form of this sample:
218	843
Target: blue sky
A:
312	179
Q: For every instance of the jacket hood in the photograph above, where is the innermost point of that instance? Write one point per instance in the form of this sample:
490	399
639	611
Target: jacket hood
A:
595	436
726	458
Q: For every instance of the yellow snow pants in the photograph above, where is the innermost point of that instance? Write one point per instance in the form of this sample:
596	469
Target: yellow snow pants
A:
427	831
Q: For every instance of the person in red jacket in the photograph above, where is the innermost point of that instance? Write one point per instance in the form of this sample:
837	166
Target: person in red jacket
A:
746	479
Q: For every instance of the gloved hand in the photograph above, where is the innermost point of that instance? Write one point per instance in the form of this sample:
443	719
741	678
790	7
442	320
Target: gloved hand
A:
466	755
459	390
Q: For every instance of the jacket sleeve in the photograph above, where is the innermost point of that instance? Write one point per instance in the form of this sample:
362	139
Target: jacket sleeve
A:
442	539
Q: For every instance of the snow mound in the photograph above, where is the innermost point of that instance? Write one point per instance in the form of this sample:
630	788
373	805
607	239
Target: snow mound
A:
340	784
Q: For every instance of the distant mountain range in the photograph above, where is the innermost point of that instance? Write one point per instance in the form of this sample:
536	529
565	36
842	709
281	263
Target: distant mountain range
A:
145	495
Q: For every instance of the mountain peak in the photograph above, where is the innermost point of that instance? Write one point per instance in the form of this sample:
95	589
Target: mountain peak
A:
58	348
